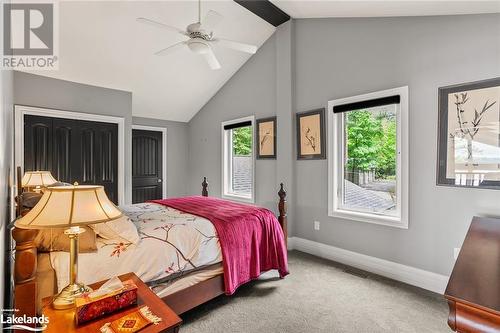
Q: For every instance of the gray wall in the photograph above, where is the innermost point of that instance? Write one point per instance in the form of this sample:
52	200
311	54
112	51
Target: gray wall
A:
6	118
251	91
45	92
348	57
177	153
334	58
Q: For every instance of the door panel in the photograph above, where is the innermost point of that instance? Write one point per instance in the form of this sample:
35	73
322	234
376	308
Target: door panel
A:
106	168
107	174
73	150
88	153
62	154
147	182
38	143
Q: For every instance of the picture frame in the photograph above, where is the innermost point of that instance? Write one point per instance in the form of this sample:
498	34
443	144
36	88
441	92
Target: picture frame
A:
469	135
266	138
311	136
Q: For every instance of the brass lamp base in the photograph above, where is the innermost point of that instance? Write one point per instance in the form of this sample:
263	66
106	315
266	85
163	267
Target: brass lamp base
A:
66	298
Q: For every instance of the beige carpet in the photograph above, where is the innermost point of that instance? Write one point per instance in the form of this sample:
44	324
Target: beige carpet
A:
319	296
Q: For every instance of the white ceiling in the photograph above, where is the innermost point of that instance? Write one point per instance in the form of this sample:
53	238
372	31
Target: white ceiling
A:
102	44
350	8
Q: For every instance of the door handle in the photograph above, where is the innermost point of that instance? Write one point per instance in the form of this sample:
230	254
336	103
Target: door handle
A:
159	180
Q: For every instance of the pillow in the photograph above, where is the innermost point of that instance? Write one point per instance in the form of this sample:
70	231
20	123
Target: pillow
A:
122	229
55	240
30	199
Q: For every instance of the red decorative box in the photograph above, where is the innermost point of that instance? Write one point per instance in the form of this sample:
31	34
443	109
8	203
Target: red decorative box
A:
89	308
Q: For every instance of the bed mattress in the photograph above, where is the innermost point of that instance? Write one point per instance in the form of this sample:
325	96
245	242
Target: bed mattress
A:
172	243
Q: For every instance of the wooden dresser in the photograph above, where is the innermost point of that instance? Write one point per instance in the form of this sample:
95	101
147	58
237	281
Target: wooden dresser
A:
473	291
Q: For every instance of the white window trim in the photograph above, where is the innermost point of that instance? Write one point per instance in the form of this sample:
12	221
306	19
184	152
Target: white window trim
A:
225	152
163	131
335	170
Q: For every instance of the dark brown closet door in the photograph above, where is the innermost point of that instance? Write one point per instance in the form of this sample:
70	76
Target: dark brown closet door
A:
147	182
73	150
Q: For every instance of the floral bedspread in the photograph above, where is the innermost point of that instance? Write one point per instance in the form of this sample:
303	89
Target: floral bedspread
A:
172	242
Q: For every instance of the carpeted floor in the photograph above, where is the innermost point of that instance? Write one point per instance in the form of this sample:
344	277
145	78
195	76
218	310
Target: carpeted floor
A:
319	296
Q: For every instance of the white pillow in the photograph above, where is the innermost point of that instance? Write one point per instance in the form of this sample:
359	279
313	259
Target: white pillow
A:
122	229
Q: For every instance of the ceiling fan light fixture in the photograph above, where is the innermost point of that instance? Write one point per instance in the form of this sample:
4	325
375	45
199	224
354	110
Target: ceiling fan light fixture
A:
201	37
198	46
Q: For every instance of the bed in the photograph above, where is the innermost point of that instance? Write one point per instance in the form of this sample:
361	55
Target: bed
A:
191	275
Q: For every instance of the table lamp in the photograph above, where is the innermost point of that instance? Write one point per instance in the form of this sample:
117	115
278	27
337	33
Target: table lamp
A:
37	179
72	207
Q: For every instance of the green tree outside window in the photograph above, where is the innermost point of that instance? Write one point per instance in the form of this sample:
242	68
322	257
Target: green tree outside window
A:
242	141
371	143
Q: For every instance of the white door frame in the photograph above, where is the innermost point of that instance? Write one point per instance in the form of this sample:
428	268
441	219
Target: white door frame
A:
21	110
163	131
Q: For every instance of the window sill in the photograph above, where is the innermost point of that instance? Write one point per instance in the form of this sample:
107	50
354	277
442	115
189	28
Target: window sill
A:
389	221
238	198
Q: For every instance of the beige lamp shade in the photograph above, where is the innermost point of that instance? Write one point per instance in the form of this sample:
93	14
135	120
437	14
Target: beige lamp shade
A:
69	206
38	178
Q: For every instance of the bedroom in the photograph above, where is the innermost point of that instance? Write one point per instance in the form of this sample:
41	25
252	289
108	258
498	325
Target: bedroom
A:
351	270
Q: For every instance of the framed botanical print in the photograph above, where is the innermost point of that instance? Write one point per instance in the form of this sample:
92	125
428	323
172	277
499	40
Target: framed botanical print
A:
469	135
266	135
311	142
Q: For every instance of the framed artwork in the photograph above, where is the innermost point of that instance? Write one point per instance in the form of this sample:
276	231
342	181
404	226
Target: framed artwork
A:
469	135
266	135
311	143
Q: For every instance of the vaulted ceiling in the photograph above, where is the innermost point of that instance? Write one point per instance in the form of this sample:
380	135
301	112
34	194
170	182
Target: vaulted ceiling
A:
101	44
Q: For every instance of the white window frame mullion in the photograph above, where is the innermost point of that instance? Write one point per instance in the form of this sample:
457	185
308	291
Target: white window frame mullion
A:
230	161
336	140
227	152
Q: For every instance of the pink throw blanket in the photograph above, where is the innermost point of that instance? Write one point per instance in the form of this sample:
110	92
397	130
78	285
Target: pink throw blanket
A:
250	237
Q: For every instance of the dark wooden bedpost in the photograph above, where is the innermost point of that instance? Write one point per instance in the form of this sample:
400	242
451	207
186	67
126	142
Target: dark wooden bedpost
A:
25	262
282	210
25	271
204	190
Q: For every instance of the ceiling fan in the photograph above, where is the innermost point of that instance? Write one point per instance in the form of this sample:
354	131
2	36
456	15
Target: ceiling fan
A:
201	37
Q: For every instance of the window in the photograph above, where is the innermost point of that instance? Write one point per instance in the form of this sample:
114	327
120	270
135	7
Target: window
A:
238	159
368	159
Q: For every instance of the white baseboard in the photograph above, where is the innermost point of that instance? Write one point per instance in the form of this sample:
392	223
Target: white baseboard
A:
407	274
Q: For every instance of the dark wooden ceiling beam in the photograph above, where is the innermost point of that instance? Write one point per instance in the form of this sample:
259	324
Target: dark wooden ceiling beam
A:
265	10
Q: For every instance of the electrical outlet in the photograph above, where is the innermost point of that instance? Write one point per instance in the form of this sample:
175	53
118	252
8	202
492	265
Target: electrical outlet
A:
456	252
316	225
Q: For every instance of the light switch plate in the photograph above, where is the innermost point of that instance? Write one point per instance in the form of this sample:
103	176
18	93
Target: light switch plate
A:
316	225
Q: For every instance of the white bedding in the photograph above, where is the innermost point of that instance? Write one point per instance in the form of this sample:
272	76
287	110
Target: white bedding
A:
171	242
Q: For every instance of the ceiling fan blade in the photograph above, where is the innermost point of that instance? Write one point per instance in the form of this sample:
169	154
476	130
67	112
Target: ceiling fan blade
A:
248	48
160	25
169	49
211	59
211	20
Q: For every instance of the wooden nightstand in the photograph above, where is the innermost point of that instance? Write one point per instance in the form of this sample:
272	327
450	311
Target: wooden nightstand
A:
64	321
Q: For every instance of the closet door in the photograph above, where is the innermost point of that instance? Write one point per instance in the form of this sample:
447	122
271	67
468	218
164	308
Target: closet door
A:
73	150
